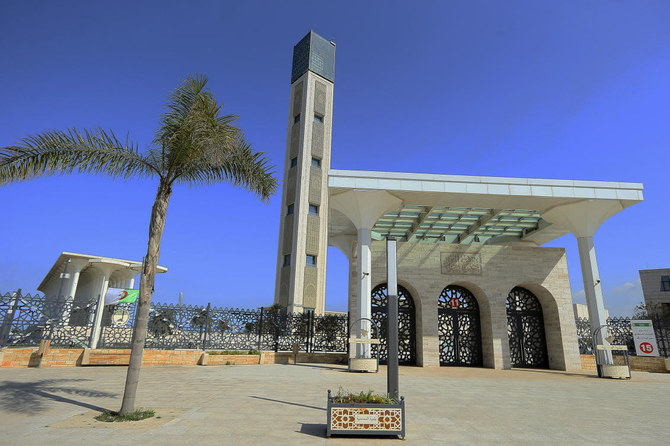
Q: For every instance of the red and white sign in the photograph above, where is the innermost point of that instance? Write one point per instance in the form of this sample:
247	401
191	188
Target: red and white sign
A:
644	337
646	347
454	302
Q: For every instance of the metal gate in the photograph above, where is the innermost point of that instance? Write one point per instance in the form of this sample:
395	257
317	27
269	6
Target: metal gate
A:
406	325
458	325
525	327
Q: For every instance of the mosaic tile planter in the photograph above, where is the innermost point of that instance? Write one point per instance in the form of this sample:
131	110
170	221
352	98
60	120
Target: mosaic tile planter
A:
366	419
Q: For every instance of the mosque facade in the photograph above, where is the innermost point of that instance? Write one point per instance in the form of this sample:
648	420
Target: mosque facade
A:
476	285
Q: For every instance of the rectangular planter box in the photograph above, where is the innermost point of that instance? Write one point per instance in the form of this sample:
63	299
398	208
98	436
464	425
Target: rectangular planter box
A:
366	419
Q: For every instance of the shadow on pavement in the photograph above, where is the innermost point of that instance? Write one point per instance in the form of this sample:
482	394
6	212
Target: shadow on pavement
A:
318	366
556	372
315	430
33	397
287	402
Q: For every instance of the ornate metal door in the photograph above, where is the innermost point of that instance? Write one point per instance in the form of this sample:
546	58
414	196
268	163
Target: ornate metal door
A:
458	325
406	327
525	327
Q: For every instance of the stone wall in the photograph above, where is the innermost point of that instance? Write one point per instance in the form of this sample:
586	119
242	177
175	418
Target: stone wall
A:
637	363
56	357
489	272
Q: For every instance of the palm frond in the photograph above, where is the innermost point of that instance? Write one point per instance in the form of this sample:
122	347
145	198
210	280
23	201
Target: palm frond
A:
244	168
179	105
194	130
72	150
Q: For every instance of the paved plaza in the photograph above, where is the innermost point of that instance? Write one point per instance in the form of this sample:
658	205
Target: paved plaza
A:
286	404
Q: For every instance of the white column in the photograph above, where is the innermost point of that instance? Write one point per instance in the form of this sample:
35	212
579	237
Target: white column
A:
363	208
107	269
97	322
364	301
583	219
593	289
65	316
131	282
76	266
345	243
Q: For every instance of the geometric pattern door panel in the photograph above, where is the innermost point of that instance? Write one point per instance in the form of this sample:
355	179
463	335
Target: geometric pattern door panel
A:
525	328
459	328
406	325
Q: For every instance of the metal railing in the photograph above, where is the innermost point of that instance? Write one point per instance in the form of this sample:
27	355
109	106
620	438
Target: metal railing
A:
619	328
25	320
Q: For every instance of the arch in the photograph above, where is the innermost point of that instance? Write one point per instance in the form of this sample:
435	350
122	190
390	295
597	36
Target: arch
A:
459	328
525	329
556	325
406	324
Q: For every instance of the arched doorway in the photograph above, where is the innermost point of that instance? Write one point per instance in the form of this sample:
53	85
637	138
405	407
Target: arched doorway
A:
459	328
525	327
406	325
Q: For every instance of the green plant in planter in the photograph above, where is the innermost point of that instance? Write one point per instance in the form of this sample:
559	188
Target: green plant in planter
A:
369	397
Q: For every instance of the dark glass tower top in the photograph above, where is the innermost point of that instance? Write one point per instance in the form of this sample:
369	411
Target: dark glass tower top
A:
316	54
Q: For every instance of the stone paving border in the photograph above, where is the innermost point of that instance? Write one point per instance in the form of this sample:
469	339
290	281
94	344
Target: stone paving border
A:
285	405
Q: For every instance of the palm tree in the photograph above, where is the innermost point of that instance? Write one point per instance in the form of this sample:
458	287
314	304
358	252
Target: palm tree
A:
195	144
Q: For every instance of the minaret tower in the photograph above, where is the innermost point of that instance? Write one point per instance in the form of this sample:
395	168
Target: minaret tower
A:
303	230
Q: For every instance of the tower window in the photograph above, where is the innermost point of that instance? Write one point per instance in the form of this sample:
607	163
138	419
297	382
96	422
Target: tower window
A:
296	119
665	283
316	163
313	209
287	260
289	211
310	260
318	118
294	162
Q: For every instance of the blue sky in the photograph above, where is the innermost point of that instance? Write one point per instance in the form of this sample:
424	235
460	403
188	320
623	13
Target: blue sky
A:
574	90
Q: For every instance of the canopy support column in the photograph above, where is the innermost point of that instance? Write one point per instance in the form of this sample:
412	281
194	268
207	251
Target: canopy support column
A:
363	208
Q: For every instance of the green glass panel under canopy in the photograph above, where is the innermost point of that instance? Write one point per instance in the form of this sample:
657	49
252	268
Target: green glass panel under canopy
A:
455	224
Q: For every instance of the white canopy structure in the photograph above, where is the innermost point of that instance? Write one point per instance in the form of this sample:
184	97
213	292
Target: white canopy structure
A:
459	209
82	277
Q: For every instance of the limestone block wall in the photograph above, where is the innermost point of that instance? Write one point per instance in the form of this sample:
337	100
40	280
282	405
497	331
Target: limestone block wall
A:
637	363
76	357
490	272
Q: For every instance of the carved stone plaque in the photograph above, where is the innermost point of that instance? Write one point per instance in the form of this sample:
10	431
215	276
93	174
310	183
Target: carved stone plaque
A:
459	263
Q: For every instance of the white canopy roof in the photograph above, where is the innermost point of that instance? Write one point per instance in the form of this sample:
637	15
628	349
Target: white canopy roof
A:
92	260
475	209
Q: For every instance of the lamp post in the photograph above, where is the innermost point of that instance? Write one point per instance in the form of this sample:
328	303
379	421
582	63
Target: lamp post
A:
392	312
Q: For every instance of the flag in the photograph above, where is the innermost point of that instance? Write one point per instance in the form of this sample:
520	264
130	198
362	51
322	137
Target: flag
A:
120	296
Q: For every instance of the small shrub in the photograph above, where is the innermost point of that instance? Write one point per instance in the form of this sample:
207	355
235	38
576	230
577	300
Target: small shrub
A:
344	396
233	352
140	414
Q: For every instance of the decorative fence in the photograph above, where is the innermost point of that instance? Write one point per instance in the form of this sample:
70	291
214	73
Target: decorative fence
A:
619	328
26	320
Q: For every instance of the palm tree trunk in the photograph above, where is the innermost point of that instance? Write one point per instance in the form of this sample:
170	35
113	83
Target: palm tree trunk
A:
156	226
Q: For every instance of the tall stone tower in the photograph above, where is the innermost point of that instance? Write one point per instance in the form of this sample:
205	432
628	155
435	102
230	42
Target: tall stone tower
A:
303	230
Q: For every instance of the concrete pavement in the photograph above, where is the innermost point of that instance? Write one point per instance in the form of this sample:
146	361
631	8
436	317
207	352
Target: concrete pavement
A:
286	404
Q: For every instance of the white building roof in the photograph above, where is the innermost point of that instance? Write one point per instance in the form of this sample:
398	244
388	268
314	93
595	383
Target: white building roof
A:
92	260
471	209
